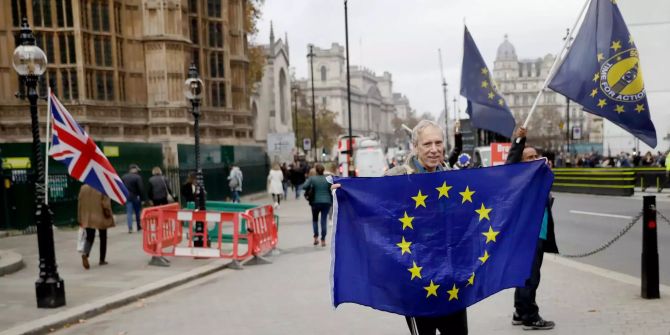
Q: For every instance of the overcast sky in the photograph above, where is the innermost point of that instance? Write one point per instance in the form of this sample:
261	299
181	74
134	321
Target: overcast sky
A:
402	36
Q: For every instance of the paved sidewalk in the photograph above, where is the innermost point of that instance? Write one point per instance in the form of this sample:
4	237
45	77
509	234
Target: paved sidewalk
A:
581	299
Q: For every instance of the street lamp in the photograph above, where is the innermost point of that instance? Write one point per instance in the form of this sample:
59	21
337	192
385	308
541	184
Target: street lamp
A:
193	88
350	167
30	62
311	65
295	112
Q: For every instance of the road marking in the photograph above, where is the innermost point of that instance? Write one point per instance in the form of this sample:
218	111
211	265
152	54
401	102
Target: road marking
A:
602	214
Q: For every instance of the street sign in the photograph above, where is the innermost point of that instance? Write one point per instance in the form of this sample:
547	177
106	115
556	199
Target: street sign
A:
576	133
499	152
306	144
281	147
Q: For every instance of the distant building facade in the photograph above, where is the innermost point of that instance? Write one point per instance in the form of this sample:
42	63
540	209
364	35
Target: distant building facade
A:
373	104
271	103
519	81
119	67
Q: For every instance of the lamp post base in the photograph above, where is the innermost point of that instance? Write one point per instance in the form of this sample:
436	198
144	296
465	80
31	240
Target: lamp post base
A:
50	293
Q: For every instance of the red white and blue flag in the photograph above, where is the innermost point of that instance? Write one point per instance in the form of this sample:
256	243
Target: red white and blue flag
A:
72	146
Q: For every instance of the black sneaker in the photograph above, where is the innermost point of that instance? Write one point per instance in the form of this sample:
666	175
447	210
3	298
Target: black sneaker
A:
516	320
539	325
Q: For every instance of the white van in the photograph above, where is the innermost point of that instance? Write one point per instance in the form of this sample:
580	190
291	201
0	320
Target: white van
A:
482	157
369	159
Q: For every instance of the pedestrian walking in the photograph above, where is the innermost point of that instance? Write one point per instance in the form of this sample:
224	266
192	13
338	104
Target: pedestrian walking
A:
320	199
428	156
187	190
297	175
133	182
285	182
159	189
94	211
275	187
235	182
527	312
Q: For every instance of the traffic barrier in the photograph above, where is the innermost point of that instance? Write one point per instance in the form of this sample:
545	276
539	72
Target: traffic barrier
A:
159	231
602	181
262	230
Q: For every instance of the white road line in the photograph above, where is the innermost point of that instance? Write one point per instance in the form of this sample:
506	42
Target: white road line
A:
602	214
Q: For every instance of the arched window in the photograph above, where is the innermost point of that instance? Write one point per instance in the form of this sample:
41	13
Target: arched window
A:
323	73
283	93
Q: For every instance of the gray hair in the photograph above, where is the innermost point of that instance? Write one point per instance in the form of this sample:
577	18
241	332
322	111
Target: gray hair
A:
418	129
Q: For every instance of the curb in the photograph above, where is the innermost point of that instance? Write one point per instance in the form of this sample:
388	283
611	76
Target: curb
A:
10	262
86	311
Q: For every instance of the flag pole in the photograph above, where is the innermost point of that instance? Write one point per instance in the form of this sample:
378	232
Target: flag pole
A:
554	65
46	151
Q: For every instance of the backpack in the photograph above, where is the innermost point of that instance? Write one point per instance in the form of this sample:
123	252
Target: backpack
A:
309	194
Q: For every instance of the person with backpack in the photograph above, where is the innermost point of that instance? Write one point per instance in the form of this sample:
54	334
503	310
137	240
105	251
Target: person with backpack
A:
235	182
160	192
317	192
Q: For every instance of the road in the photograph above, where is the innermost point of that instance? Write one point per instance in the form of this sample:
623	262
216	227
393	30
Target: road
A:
581	226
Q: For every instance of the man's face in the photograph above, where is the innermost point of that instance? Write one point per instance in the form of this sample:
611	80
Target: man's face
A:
529	154
430	148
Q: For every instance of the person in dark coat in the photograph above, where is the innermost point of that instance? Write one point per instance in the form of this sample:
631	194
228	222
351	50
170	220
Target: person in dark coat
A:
159	188
297	175
187	190
133	182
526	309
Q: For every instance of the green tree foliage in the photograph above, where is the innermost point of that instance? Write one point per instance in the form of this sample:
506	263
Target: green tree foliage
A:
327	129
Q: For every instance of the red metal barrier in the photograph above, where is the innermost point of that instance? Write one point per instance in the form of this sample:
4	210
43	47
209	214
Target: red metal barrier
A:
163	228
262	229
159	231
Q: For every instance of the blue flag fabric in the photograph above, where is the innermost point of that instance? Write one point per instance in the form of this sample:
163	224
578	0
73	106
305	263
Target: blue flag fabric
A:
435	243
486	107
602	72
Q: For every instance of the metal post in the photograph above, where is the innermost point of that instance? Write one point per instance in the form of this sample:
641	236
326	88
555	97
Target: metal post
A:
567	110
311	65
49	287
446	115
650	283
351	169
200	193
295	113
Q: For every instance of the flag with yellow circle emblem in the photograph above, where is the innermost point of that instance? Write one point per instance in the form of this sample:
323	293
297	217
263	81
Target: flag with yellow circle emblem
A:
434	243
602	72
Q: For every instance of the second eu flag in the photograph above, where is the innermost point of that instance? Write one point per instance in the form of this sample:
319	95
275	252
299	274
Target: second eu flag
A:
486	107
602	72
432	244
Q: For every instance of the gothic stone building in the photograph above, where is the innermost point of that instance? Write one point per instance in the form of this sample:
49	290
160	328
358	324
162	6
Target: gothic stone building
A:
119	67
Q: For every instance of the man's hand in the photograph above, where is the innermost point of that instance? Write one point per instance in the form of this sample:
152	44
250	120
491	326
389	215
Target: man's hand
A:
520	132
457	127
335	186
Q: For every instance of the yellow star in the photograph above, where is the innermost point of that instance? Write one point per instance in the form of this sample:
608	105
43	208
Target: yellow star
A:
491	95
600	56
467	195
619	109
639	108
616	45
602	103
483	212
595	77
485	71
491	235
404	246
630	39
485	84
613	2
432	289
471	280
594	92
619	58
406	221
420	200
501	102
415	270
444	190
453	293
485	257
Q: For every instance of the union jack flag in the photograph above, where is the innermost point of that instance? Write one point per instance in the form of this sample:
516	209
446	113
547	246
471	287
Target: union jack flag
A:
72	146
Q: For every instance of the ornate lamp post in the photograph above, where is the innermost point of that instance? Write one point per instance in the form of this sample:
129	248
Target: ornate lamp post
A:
350	167
193	88
30	62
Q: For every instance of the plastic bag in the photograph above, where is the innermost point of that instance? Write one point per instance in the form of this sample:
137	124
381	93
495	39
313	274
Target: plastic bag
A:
81	239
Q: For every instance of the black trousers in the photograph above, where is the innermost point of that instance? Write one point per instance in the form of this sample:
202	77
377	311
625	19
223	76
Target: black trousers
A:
452	324
90	237
524	297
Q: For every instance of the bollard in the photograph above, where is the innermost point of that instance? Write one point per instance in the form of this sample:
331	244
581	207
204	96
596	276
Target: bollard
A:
650	284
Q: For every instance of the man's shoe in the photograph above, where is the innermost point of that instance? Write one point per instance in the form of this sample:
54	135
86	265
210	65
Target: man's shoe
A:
539	325
516	320
102	263
84	262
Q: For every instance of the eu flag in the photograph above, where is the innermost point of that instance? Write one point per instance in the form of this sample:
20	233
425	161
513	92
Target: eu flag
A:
602	72
434	243
486	107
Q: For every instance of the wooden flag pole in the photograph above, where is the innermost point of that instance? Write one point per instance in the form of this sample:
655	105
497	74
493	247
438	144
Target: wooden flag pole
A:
559	56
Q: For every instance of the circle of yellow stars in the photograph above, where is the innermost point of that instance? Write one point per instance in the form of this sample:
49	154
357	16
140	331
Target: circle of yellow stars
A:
407	223
615	46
